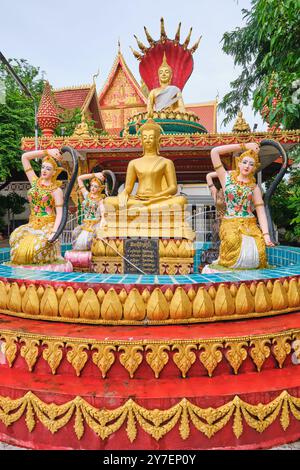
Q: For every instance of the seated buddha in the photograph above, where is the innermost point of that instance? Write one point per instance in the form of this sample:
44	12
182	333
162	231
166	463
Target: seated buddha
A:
167	96
156	209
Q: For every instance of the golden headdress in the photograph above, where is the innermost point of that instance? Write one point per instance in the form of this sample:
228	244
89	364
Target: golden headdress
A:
56	169
252	154
165	64
99	182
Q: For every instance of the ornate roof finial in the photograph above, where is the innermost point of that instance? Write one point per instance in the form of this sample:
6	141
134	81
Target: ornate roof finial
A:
195	46
188	38
136	54
240	124
149	38
119	46
163	34
47	115
95	76
140	44
177	35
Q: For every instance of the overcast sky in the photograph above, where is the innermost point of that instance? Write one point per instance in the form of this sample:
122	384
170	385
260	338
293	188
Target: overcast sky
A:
71	40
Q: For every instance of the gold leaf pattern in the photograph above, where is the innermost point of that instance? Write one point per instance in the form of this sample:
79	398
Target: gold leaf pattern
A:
157	307
134	307
236	354
53	354
224	303
244	302
49	302
77	356
111	308
89	305
14	301
180	305
260	352
185	357
203	305
68	305
104	357
157	357
211	356
131	358
30	301
279	296
30	352
10	348
3	295
281	349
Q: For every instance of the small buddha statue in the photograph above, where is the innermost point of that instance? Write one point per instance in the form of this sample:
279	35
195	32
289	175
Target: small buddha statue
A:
167	96
240	124
82	129
156	193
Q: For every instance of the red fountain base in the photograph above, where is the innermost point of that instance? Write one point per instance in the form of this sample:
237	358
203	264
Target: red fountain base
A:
241	388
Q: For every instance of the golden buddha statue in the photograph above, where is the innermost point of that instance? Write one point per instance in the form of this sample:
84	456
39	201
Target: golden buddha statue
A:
155	210
82	129
167	96
240	124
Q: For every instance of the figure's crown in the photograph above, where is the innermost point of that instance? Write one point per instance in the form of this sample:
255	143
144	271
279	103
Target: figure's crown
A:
178	57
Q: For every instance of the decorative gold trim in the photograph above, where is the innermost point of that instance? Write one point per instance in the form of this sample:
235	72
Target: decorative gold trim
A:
155	422
75	87
202	304
157	353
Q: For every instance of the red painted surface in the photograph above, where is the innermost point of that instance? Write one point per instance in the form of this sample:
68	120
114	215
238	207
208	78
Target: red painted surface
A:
162	393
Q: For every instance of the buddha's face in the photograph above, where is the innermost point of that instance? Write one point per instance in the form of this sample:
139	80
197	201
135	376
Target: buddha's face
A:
47	171
247	166
164	75
149	139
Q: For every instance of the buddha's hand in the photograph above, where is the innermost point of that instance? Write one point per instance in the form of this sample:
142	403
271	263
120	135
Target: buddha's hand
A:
123	197
268	241
55	153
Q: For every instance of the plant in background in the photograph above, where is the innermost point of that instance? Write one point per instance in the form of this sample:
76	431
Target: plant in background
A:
267	49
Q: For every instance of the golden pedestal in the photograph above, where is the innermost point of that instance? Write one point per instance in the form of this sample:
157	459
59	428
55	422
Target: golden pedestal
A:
175	256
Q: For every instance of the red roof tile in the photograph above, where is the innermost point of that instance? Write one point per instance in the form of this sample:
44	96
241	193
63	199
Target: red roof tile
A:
72	98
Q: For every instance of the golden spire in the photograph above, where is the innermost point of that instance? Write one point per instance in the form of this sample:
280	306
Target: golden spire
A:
140	44
195	46
188	38
149	38
177	35
163	34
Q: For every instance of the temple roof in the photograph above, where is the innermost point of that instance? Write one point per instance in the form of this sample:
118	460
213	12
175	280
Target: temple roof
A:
83	97
207	113
120	63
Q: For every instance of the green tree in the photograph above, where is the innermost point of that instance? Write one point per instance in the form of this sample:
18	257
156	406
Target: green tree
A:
267	50
16	114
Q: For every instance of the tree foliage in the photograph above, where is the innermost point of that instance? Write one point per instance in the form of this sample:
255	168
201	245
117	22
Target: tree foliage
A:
267	50
16	114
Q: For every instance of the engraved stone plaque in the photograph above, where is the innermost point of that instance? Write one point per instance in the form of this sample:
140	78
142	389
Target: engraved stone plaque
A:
143	253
